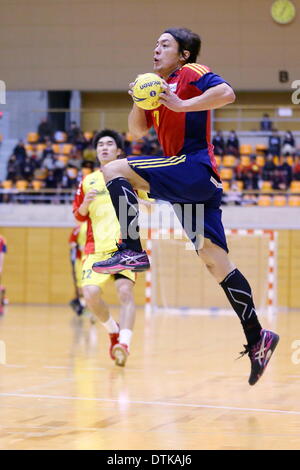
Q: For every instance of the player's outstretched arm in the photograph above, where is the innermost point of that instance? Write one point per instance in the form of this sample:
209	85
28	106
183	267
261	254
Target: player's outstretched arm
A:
213	98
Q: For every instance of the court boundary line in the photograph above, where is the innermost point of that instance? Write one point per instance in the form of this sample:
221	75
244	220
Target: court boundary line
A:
152	403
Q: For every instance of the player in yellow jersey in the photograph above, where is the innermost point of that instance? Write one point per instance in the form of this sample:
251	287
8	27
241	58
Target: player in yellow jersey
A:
92	203
77	241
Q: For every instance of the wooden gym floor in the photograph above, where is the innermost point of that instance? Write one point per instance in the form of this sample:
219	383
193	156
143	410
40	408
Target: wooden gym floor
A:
181	388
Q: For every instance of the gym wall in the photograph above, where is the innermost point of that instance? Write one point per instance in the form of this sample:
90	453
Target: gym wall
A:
89	45
38	270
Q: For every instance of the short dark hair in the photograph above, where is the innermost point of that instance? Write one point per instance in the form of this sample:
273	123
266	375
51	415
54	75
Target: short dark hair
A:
187	41
109	133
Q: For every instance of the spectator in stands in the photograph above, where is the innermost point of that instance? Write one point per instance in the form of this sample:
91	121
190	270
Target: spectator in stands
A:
70	178
285	174
266	123
73	133
146	147
81	143
12	169
47	152
34	154
254	173
238	170
136	147
274	143
249	174
50	181
219	143
288	144
49	162
75	160
28	168
20	152
44	131
296	170
268	168
53	164
59	136
278	182
232	144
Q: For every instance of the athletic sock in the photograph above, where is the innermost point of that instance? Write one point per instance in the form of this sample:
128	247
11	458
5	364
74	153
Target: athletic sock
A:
111	325
239	294
126	206
125	336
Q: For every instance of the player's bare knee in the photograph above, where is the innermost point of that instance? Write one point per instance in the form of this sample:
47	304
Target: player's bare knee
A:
90	294
113	170
206	258
125	294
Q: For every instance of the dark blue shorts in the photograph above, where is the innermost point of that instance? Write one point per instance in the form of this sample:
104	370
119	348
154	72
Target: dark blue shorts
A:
185	179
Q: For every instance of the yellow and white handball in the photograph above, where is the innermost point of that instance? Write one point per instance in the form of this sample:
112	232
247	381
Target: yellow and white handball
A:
146	90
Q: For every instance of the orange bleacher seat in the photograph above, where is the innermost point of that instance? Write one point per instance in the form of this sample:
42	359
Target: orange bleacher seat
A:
40	173
32	137
7	184
37	184
290	160
67	149
279	200
88	135
295	187
246	149
226	173
56	148
218	159
229	160
261	149
266	186
240	185
276	160
22	185
245	160
40	148
226	185
294	201
264	201
63	158
260	161
28	148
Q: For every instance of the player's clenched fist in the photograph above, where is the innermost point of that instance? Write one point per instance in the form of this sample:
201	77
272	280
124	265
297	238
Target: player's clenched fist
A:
88	198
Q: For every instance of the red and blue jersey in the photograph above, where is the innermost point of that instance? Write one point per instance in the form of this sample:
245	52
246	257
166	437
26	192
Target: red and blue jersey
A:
3	246
186	132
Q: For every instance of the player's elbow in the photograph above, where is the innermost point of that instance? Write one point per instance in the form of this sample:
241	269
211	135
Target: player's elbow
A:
229	95
137	132
137	135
